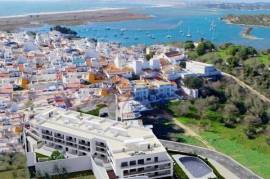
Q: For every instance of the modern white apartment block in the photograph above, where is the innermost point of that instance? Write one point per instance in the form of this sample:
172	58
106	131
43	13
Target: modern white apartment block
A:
101	144
202	69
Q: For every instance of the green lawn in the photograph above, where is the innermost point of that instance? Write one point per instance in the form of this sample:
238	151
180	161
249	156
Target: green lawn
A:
254	154
189	140
250	157
265	59
14	174
94	112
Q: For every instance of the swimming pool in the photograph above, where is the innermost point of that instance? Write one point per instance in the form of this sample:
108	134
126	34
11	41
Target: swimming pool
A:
195	166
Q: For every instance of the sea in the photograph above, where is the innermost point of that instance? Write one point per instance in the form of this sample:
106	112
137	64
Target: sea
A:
168	23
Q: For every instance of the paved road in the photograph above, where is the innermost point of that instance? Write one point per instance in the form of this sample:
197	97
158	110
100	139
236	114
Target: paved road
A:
244	85
226	161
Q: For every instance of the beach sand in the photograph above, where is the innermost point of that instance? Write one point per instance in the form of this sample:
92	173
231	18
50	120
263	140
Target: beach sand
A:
67	18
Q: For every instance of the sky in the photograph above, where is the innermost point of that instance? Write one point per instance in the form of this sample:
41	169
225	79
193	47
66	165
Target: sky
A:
161	1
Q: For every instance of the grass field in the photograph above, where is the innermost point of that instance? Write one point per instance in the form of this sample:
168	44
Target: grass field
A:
254	154
14	174
265	59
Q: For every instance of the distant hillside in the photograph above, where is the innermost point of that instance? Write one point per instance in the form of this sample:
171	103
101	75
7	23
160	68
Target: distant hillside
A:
263	19
247	6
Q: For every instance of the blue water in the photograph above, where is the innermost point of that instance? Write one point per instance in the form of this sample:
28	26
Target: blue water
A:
167	24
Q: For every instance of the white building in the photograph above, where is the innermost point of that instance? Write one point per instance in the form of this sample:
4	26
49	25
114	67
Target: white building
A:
174	57
154	64
137	67
90	142
202	69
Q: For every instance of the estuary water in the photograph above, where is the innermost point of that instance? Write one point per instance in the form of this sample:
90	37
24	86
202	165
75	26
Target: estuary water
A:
167	23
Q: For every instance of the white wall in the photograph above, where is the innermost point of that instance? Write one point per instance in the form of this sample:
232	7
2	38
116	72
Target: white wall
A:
194	93
81	163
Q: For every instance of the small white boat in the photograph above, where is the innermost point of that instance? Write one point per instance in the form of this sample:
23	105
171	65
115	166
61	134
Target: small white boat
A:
123	30
188	34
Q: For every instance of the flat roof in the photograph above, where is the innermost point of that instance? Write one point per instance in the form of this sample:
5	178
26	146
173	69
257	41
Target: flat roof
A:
116	134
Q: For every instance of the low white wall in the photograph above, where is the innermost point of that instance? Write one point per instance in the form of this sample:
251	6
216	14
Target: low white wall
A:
194	93
71	165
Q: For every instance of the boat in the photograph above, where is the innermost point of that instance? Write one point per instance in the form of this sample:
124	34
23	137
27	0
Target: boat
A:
188	34
108	28
123	29
212	26
168	36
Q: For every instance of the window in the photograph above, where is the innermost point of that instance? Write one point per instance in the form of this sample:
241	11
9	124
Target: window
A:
156	166
133	171
124	164
140	169
125	172
141	161
148	159
156	159
132	163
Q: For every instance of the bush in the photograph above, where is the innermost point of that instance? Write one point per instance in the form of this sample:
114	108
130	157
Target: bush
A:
213	116
56	155
229	123
64	30
193	82
189	45
251	133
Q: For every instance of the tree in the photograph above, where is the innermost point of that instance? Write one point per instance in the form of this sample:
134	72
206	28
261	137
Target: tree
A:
193	82
182	64
149	56
230	110
205	46
201	49
231	50
265	117
64	30
189	45
56	155
232	61
242	53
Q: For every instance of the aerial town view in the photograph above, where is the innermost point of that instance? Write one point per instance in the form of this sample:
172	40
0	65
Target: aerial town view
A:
143	89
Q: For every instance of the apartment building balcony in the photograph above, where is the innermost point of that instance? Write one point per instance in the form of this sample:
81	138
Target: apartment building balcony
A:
100	149
156	172
144	163
84	143
59	141
46	137
46	132
59	136
100	144
58	147
70	139
87	149
71	144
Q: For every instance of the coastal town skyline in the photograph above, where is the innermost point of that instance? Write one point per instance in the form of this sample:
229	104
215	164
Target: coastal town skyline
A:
113	89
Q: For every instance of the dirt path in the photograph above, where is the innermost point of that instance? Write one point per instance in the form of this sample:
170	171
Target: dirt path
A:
244	85
190	132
